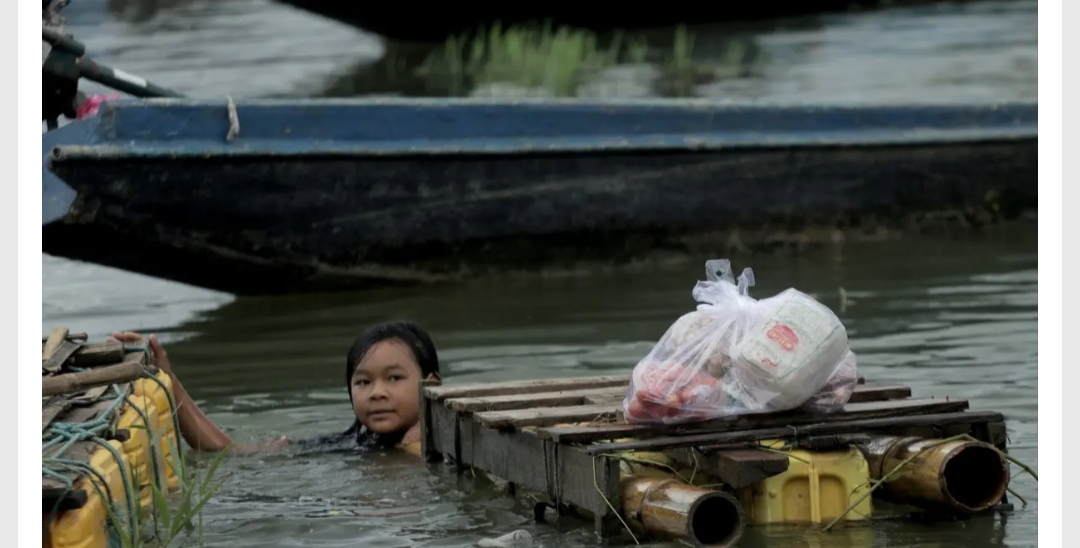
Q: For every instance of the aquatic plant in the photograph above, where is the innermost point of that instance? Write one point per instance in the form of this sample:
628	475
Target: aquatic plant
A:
173	517
549	60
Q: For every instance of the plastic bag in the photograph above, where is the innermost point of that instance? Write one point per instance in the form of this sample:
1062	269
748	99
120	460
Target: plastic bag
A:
736	355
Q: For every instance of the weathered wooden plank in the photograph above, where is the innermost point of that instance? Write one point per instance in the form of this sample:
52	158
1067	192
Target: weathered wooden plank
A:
476	390
90	395
564	473
98	354
51	407
545	416
611	410
52	342
884	425
483	389
879	392
737	468
60	355
560	398
851	411
559	472
427	443
81	412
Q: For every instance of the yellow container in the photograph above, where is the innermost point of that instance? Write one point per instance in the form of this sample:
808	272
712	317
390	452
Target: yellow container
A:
816	488
88	527
153	391
138	446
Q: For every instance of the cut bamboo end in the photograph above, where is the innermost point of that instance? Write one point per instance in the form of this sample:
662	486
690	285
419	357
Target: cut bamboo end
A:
667	507
961	476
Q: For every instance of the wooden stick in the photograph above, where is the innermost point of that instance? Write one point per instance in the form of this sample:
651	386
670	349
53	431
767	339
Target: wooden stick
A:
102	376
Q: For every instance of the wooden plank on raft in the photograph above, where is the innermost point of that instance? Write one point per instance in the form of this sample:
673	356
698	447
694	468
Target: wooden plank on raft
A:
721	440
475	390
547	416
561	472
51	407
98	354
56	360
53	342
851	411
442	392
607	411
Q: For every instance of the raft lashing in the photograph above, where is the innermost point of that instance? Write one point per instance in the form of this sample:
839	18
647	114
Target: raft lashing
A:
108	434
564	441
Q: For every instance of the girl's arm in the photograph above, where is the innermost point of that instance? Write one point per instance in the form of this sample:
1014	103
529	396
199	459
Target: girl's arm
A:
196	428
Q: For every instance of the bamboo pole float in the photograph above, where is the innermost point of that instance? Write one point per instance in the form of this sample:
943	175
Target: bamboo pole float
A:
91	378
960	476
667	507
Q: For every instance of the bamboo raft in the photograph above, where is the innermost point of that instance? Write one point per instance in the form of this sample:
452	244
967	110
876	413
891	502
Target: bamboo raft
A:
109	440
565	442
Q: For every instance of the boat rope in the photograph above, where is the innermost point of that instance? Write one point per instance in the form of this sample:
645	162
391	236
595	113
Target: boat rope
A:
234	121
62	436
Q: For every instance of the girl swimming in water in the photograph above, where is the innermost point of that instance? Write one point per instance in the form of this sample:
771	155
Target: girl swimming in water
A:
383	371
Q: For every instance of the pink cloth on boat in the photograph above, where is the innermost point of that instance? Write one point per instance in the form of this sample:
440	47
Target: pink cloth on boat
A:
91	105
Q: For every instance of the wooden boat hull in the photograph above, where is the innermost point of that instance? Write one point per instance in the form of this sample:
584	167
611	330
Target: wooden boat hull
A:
330	195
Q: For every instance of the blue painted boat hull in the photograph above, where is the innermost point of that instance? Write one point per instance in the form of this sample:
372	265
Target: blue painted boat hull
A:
332	195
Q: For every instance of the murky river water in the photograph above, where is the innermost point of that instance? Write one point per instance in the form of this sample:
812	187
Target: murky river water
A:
951	317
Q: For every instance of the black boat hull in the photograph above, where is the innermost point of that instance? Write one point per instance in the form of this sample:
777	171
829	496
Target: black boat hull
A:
436	22
265	224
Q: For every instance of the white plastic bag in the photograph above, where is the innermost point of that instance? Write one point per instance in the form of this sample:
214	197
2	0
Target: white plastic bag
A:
736	355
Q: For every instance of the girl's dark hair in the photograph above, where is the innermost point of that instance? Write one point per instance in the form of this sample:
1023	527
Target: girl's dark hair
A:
423	350
414	336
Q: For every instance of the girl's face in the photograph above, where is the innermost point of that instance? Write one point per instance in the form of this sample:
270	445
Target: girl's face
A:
385	388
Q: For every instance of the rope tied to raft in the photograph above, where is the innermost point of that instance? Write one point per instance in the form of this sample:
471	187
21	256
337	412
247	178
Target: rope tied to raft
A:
61	436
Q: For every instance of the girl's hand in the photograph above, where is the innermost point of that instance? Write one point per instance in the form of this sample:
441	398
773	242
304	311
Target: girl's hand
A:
126	337
412	436
161	358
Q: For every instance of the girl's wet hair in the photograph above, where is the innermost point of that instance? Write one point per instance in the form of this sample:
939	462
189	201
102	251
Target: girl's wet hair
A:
412	335
357	436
